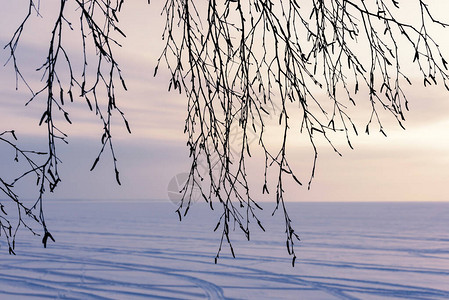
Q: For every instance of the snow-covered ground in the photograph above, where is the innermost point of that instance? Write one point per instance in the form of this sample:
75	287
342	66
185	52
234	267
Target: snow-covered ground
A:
131	250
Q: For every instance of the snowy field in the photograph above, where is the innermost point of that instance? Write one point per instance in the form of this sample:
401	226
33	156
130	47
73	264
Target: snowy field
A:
132	250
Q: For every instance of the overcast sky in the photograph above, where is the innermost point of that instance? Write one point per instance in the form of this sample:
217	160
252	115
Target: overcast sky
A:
410	165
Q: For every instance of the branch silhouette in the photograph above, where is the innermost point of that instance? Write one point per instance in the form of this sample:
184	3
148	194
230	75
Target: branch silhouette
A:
240	64
97	23
236	60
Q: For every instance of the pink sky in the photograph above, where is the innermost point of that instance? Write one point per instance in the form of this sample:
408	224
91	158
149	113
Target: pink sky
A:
410	165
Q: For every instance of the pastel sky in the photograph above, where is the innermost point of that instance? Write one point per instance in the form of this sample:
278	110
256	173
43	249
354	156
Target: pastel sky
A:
408	165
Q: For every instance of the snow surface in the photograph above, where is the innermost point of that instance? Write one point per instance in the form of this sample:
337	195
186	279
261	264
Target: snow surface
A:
138	249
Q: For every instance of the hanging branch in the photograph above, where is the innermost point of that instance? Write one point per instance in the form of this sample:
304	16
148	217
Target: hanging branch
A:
239	63
235	60
7	226
97	24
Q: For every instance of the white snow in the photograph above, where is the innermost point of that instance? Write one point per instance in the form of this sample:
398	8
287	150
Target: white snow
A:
139	249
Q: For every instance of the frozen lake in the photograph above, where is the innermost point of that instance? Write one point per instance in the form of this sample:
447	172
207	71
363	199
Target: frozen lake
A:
137	249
